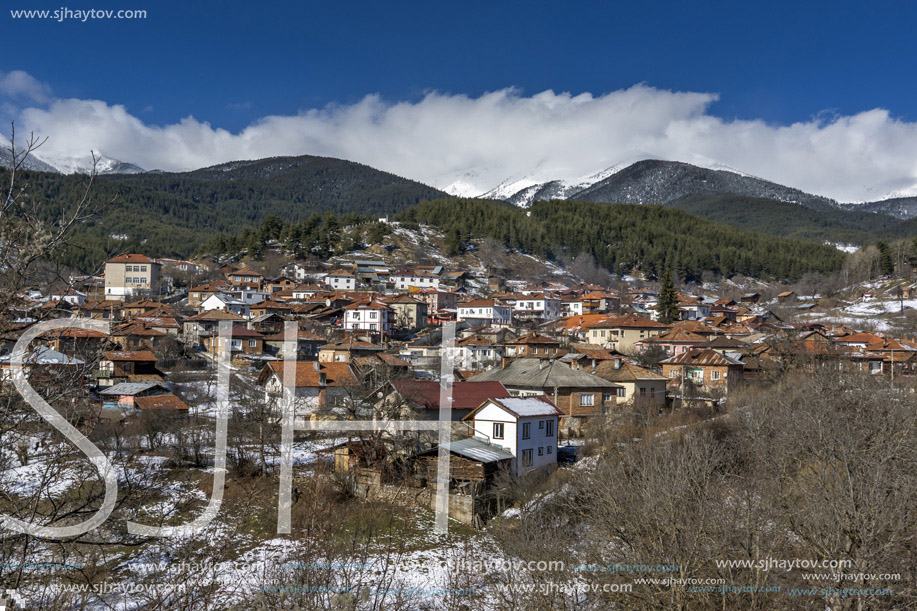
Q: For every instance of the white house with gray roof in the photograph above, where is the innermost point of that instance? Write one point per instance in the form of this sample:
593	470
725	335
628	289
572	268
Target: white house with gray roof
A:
526	427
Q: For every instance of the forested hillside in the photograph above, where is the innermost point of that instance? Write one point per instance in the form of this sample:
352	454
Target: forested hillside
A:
789	219
174	214
626	238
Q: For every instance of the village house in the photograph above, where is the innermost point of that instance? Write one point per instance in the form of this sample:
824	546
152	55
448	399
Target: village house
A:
127	366
410	315
308	344
246	278
477	353
484	313
165	324
264	308
242	341
197	294
135	336
637	384
418	278
318	387
247	295
693	308
375	317
587	357
622	333
341	280
71	296
673	342
526	427
225	303
278	284
571	305
180	265
129	398
598	302
130	275
205	324
347	350
705	369
422	398
533	345
578	394
42	361
74	340
306	292
539	307
267	324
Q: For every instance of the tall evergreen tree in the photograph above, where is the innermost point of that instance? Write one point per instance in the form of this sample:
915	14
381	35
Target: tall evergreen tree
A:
668	299
886	261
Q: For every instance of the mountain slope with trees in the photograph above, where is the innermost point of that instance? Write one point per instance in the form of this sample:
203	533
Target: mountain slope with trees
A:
174	214
628	238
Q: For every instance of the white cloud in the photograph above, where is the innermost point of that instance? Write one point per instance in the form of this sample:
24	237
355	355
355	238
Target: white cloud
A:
22	85
484	140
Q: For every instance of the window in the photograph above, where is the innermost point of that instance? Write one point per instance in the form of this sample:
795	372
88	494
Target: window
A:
526	430
541	424
586	399
252	343
714	375
142	268
541	451
526	458
549	429
498	430
642	391
550	451
127	280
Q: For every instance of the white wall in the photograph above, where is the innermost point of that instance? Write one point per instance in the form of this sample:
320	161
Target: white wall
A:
512	436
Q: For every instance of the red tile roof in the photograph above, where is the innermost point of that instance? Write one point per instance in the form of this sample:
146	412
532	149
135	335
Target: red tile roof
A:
465	395
133	258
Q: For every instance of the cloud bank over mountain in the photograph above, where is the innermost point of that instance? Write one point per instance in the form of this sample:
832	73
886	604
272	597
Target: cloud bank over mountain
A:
478	142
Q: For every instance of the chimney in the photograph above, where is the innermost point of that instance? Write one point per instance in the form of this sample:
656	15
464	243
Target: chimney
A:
505	361
322	379
316	365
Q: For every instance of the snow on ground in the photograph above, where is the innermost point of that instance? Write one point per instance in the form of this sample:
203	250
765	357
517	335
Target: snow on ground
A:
878	307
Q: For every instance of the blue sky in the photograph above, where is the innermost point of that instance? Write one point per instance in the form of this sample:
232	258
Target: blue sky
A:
231	64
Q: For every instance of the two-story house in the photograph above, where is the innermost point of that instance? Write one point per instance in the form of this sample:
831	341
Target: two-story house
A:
317	387
341	280
374	317
484	313
409	314
526	427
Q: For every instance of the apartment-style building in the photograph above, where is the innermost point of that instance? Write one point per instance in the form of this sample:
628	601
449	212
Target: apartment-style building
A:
130	275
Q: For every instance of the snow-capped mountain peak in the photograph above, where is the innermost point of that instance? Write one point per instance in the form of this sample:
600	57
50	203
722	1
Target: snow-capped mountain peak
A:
84	164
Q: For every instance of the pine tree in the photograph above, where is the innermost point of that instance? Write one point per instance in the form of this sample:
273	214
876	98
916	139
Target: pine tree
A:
886	262
453	243
668	299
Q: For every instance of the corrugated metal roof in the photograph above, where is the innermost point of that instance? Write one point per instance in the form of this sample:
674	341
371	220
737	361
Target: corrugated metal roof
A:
478	450
130	388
